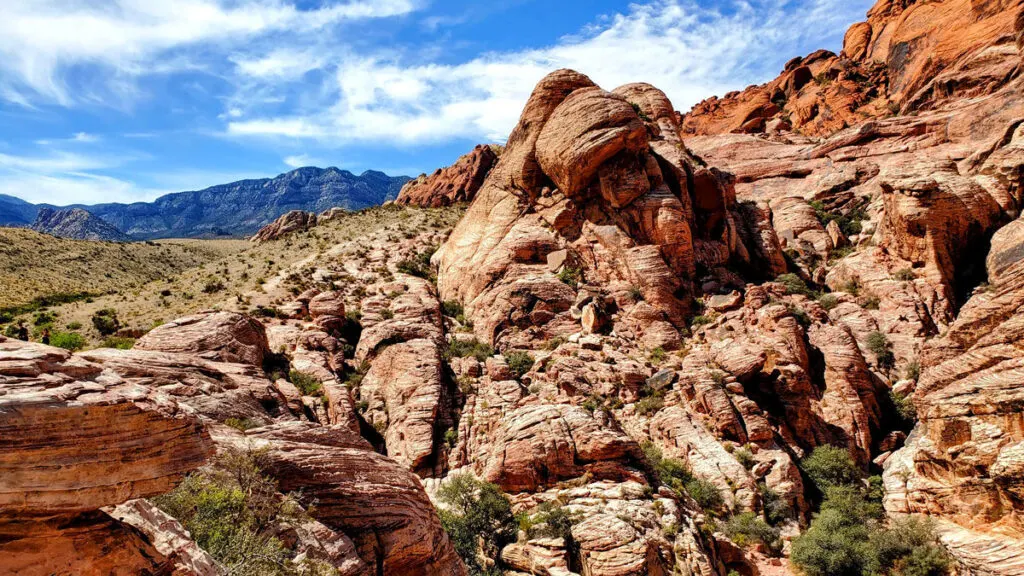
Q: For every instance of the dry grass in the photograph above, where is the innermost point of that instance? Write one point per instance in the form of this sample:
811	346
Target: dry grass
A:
346	254
34	265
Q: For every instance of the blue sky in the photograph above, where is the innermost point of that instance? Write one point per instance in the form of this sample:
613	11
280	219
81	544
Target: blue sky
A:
124	100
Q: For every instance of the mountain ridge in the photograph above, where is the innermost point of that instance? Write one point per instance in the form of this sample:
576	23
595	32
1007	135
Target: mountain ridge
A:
237	208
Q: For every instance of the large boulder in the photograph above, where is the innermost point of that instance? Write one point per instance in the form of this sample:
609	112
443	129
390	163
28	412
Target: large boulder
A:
456	183
221	336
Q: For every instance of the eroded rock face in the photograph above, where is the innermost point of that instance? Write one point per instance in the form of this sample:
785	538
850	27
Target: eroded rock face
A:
379	504
293	221
57	408
223	336
965	459
615	197
456	183
75	438
908	56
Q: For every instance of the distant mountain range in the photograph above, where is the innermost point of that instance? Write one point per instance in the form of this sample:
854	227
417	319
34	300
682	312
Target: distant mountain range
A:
76	223
236	209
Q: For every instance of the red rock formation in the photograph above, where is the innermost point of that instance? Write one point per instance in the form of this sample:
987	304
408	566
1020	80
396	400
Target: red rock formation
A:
222	336
456	183
287	223
909	56
73	439
965	459
587	186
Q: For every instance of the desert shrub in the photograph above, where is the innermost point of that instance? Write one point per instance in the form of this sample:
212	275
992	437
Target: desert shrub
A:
794	284
213	285
829	466
879	345
452	308
75	325
470	347
43	318
904	275
847	538
700	320
657	356
649	405
776	508
308	384
912	371
800	315
242	424
417	266
67	340
451	437
636	294
229	511
828	301
904	407
106	322
478	519
639	112
570	276
549	520
872	303
519	362
849	223
667	471
748	528
705	493
118	342
745	457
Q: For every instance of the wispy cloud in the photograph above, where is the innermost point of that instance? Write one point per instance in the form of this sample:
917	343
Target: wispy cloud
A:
688	50
41	41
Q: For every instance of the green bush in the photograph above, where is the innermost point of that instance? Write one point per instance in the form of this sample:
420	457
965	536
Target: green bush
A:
242	424
307	384
519	363
849	223
912	371
229	511
478	519
829	466
213	285
75	325
846	538
776	508
570	276
904	275
828	301
879	345
705	493
106	322
472	347
748	528
118	342
68	340
794	284
904	407
44	318
418	265
452	308
649	405
745	457
657	356
667	472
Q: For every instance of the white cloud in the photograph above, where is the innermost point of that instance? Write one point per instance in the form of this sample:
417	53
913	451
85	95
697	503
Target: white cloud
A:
689	51
41	39
303	160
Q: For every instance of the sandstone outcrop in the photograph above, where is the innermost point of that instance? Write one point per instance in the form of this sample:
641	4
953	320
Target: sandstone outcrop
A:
456	183
75	438
908	56
294	221
221	336
964	461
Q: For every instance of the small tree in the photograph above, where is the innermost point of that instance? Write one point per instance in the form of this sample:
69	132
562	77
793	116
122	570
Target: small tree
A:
829	466
106	322
519	362
477	517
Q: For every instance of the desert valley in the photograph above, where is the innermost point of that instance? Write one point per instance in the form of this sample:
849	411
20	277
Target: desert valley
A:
779	333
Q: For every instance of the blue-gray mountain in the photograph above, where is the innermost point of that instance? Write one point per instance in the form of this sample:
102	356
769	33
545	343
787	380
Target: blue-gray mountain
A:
236	209
77	224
